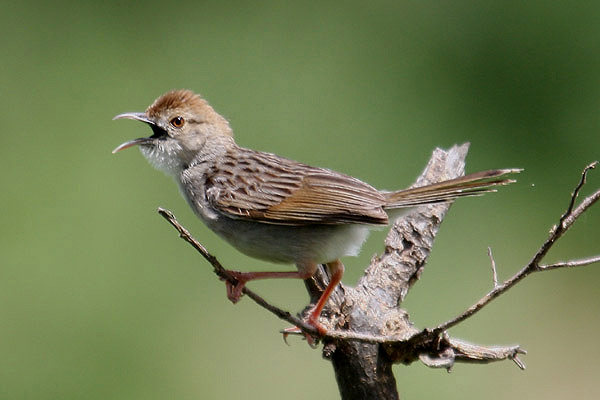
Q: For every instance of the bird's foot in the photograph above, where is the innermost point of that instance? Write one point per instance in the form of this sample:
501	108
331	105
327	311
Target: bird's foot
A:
234	291
313	321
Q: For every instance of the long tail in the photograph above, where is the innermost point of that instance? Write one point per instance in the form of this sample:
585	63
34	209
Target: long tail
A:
474	184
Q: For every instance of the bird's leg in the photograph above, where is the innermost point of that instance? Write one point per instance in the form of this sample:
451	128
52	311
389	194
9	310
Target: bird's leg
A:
234	292
305	271
336	270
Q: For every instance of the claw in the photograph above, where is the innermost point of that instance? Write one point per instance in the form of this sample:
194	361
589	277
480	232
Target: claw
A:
234	292
311	340
289	331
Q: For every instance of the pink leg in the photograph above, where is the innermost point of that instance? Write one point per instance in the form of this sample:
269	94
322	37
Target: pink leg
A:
336	268
234	292
305	271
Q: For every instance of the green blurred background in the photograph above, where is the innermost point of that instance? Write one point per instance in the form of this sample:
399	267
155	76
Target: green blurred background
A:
99	299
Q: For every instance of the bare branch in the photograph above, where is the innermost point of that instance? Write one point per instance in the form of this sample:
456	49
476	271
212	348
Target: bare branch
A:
460	351
338	335
467	352
566	221
581	208
494	272
575	193
571	263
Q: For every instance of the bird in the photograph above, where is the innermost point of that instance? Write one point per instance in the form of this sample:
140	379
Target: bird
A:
273	208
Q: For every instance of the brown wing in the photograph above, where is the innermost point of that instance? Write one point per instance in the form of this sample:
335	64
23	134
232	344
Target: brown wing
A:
270	189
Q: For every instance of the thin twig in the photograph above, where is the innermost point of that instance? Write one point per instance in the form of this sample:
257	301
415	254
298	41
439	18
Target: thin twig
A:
518	361
494	272
575	193
571	263
585	204
566	221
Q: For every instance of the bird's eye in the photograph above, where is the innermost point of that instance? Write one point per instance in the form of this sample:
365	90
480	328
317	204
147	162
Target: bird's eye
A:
177	122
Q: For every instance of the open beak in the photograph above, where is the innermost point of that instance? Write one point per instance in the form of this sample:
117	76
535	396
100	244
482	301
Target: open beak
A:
138	117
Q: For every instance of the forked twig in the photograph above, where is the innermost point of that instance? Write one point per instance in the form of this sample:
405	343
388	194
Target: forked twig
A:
565	222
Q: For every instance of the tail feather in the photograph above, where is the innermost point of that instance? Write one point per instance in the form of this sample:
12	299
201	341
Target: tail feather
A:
474	184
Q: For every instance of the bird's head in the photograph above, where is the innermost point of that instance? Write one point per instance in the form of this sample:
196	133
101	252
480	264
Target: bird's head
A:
184	128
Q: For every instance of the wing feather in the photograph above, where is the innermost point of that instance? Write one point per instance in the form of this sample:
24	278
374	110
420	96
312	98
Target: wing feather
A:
270	189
